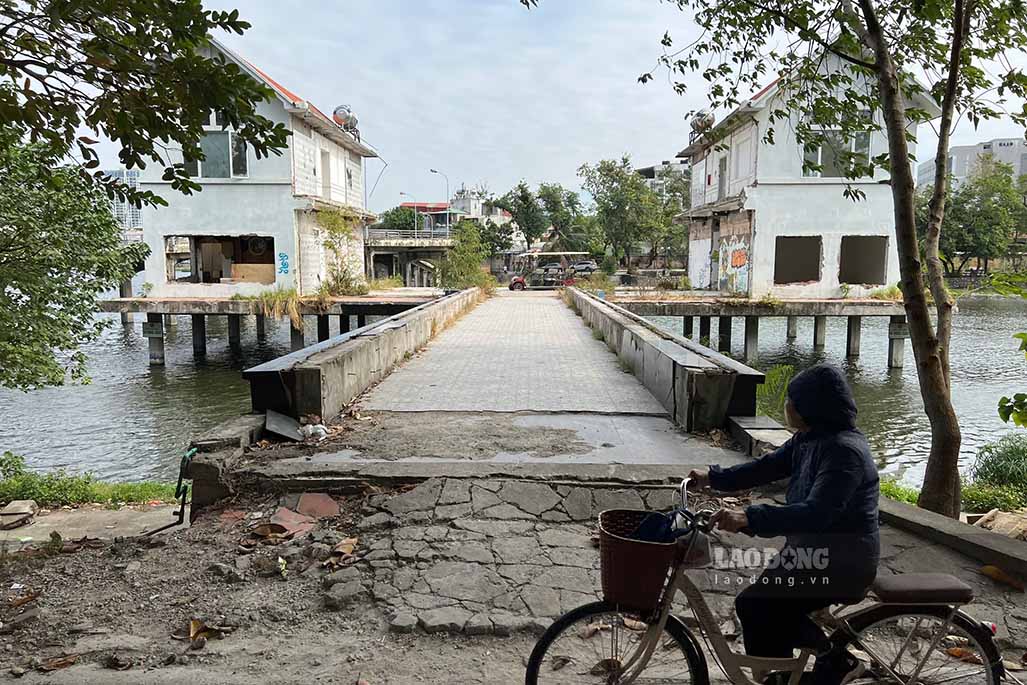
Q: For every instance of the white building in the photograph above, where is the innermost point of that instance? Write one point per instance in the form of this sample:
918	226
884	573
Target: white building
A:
962	160
657	175
128	215
474	207
759	225
254	226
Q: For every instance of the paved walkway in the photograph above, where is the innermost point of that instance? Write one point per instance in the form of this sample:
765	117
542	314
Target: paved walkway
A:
515	352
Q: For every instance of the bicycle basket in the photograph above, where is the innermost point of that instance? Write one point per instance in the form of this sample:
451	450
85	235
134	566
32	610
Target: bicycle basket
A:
633	572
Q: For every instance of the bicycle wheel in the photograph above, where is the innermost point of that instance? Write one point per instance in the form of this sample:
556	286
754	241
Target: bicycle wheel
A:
901	635
592	643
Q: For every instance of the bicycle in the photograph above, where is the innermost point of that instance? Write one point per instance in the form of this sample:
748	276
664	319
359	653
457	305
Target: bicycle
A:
916	633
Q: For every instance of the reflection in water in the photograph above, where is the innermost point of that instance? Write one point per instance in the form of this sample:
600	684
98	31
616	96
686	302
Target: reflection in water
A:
985	366
134	421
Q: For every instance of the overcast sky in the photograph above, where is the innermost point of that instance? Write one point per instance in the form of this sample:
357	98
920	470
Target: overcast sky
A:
485	90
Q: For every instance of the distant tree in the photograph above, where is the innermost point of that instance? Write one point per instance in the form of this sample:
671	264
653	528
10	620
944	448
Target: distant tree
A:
626	208
397	219
672	194
130	71
562	206
496	237
462	265
60	247
527	212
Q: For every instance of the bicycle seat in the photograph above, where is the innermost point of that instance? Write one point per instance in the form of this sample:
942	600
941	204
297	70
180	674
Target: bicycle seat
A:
922	588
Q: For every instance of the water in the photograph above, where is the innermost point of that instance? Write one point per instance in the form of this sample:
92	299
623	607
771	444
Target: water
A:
134	421
986	365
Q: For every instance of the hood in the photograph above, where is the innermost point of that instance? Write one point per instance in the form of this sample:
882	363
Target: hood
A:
823	399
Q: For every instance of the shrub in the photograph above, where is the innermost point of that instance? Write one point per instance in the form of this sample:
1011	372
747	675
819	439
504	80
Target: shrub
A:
980	497
385	283
58	488
608	265
1003	463
684	283
892	490
770	396
666	283
891	293
597	281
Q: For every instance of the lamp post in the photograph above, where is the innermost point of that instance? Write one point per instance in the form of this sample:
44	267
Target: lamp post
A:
436	171
402	194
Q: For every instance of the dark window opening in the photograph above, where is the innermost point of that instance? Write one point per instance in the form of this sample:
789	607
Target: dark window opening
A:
797	259
220	259
863	260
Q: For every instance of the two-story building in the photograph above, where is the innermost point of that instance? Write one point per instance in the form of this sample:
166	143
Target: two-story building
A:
255	224
761	225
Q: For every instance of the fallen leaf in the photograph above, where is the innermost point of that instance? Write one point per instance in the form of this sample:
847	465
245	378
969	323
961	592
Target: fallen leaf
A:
265	530
560	661
58	662
632	624
593	628
963	654
345	547
1000	576
606	667
24	600
1011	665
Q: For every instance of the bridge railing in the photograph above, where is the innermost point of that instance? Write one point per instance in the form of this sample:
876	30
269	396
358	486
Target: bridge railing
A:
407	233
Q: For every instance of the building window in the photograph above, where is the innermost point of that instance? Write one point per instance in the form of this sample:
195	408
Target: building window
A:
863	260
220	259
833	154
349	178
224	152
797	259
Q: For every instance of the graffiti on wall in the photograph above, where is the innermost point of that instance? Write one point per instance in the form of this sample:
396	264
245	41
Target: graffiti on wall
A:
734	264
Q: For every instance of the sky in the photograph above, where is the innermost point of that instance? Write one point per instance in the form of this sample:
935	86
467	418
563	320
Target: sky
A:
485	90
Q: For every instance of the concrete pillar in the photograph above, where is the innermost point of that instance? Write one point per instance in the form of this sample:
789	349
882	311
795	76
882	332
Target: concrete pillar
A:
169	321
296	338
199	334
819	332
361	320
235	331
344	323
793	328
322	328
704	329
752	337
688	325
155	336
125	290
852	336
261	331
898	331
724	334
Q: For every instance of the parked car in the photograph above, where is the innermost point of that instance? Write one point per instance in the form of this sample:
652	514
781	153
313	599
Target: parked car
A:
585	266
551	266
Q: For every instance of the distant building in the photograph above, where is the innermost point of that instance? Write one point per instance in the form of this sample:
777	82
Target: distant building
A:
129	217
656	175
759	224
481	210
962	160
255	226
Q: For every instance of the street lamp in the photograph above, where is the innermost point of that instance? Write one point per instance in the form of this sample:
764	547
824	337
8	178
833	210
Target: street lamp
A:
402	194
436	171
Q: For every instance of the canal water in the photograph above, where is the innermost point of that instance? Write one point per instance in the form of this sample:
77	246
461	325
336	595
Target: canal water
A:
986	365
134	422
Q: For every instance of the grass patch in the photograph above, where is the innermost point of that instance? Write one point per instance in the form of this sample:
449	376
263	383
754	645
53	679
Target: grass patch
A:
597	334
1003	463
389	283
892	490
59	489
891	294
982	498
596	282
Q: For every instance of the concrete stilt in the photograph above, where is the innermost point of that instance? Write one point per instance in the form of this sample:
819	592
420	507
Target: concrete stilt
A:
898	331
322	328
819	332
155	336
169	321
344	323
125	290
261	331
199	334
688	324
852	336
793	328
724	334
361	320
704	328
235	331
296	338
752	337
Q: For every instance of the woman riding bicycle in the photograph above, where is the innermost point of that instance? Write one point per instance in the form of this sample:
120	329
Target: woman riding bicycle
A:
830	522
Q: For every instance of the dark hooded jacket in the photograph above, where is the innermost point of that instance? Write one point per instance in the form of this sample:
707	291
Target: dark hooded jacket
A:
833	488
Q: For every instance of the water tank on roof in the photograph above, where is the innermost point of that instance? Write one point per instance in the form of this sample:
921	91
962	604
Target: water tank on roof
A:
702	121
345	117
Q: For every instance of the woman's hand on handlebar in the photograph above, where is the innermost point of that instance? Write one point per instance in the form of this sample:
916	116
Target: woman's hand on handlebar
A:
730	520
700	479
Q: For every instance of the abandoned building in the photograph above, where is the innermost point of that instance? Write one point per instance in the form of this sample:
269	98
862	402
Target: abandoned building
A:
255	224
759	225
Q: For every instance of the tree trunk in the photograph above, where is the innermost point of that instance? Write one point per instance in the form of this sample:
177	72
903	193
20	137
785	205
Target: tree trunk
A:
941	488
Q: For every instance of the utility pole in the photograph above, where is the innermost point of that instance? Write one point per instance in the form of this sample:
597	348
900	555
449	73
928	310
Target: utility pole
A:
449	225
